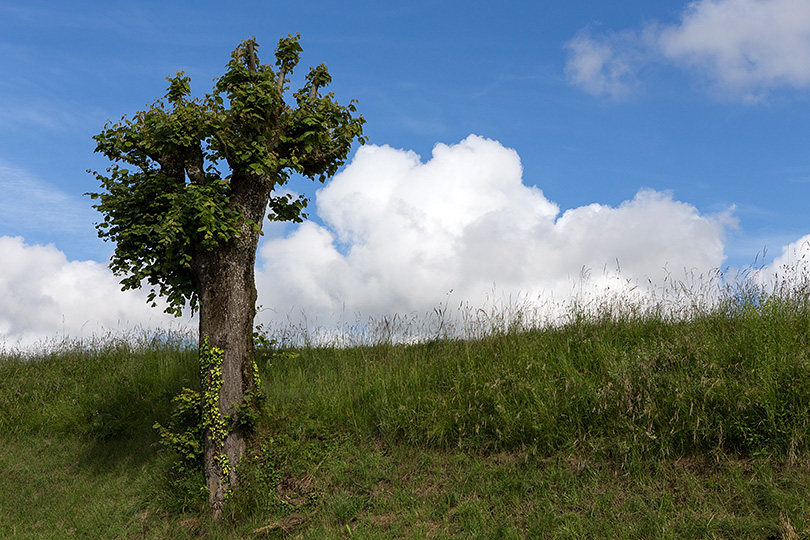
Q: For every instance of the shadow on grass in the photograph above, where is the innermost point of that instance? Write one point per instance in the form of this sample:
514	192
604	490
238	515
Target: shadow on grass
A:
120	429
118	411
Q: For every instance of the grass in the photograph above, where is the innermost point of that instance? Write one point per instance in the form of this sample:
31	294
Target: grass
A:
619	423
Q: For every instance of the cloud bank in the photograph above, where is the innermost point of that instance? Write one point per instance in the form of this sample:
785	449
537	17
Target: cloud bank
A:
744	48
397	235
43	296
394	235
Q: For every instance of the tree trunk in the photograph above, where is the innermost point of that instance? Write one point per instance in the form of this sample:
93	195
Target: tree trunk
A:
227	295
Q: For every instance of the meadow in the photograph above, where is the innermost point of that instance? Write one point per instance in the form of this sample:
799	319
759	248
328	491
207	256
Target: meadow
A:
619	421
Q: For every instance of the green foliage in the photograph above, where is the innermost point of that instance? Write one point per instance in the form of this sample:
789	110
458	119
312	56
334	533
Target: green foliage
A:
185	432
212	420
194	412
275	476
267	348
164	200
251	411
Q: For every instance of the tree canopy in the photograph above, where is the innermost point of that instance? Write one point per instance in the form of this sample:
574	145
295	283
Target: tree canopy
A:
168	199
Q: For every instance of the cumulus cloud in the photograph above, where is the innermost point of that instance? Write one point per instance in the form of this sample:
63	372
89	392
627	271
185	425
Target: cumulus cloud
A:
398	234
44	296
745	48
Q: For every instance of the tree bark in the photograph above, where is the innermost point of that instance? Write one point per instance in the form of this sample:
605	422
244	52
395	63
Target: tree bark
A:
227	294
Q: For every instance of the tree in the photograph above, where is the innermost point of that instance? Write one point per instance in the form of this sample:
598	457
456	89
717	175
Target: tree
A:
190	233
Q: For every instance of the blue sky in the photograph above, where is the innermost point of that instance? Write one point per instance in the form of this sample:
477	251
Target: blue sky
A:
705	105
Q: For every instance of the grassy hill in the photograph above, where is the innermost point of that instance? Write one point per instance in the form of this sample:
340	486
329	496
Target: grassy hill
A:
617	424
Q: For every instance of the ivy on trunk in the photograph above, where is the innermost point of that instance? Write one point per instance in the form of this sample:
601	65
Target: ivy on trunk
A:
190	232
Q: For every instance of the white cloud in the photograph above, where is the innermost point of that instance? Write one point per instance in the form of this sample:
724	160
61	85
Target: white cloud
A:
602	66
794	255
44	296
744	47
791	267
399	234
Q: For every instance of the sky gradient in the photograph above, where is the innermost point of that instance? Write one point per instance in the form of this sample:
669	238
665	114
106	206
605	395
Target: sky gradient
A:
511	146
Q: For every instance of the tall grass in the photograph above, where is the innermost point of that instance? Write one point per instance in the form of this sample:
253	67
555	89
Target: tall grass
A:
78	454
682	412
102	387
724	368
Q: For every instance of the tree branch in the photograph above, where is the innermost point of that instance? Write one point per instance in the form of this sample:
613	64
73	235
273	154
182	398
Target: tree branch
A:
225	152
194	163
251	57
170	164
313	91
282	73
